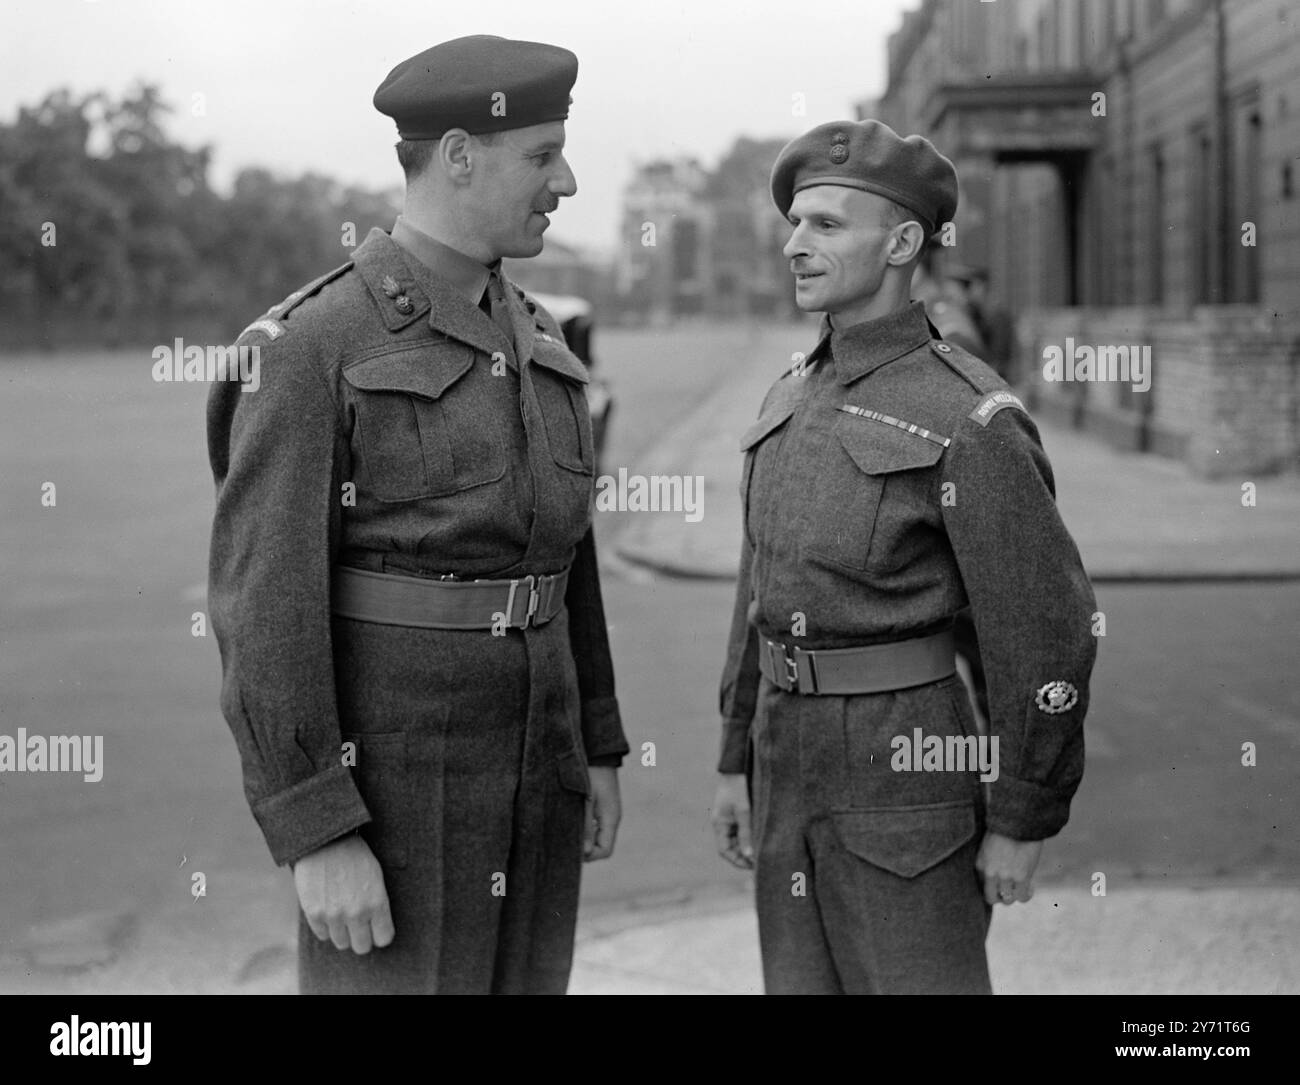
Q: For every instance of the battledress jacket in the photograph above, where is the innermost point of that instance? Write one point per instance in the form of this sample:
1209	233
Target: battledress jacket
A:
386	435
888	482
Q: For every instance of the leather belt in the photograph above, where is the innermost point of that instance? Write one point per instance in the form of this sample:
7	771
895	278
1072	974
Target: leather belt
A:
872	668
390	599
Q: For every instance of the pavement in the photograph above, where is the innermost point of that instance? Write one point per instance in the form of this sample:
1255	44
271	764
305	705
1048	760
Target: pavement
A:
1135	518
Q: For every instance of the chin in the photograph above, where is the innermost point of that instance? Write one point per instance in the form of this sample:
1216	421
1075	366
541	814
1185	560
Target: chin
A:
524	249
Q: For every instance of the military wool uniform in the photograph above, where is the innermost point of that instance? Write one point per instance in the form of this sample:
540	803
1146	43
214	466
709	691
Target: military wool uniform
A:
888	482
399	430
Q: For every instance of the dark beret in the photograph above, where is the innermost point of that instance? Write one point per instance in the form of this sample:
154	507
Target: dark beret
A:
870	156
481	84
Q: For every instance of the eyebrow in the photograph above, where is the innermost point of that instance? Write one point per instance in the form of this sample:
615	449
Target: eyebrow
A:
549	145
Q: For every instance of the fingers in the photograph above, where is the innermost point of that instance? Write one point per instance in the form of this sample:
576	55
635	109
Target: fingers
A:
359	934
381	924
589	832
318	926
602	828
742	832
339	933
731	837
998	890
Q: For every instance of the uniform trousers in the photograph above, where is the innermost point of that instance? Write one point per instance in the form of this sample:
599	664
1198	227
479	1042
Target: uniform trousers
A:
865	876
469	759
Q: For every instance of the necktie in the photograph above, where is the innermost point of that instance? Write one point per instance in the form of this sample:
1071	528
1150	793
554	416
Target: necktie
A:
498	308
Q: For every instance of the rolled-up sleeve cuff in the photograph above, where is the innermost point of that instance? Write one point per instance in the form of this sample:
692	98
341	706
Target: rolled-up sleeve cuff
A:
602	729
1024	810
735	746
311	813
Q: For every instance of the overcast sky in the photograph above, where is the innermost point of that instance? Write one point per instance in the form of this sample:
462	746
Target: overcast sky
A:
288	83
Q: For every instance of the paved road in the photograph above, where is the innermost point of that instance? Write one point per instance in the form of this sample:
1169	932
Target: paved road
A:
95	638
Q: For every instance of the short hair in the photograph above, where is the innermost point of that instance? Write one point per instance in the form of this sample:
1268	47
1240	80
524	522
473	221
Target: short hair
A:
895	214
414	155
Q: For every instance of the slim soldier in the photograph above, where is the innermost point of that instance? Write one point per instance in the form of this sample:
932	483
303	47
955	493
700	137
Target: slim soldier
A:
890	480
403	578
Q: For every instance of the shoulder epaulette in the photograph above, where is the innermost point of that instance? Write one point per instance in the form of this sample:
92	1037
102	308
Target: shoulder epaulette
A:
973	371
269	323
303	293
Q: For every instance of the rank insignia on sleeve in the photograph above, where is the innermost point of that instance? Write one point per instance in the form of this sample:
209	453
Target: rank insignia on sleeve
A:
1056	697
992	403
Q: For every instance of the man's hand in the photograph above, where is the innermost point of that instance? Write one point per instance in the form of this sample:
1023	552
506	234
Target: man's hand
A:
731	821
1007	867
604	812
341	890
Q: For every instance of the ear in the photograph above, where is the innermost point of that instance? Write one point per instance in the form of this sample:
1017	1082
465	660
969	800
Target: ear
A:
454	154
906	244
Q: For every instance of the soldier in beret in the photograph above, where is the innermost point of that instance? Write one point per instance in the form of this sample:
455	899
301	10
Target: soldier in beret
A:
403	577
892	479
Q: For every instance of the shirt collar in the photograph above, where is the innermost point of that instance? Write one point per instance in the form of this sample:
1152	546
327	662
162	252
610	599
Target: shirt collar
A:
861	348
467	275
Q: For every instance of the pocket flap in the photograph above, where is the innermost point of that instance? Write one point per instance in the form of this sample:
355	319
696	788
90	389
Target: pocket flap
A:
560	360
906	840
879	448
426	371
765	425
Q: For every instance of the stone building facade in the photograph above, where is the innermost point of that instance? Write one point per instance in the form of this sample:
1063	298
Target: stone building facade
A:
1128	172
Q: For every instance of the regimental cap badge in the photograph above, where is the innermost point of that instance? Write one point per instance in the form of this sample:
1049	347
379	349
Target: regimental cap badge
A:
389	286
840	148
1056	697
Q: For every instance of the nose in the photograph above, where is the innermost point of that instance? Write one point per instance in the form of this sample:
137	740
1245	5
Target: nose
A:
796	246
564	183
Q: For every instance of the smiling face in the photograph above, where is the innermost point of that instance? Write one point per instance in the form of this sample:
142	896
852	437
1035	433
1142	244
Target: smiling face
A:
518	179
851	253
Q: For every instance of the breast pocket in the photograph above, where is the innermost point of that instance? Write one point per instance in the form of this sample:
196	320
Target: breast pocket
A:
425	426
560	382
873	489
751	440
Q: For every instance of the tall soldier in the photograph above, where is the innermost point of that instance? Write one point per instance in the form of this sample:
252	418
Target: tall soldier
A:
403	577
890	479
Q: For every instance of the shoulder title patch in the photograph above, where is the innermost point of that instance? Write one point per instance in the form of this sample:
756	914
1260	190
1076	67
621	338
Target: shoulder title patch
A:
992	403
270	327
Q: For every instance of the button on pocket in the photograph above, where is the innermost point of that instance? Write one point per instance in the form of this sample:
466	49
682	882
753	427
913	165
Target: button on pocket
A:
421	428
382	778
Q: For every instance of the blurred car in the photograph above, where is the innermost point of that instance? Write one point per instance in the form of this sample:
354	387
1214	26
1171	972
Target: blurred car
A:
573	314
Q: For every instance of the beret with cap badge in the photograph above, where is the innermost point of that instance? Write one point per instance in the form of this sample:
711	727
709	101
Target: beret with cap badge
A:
871	156
481	83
